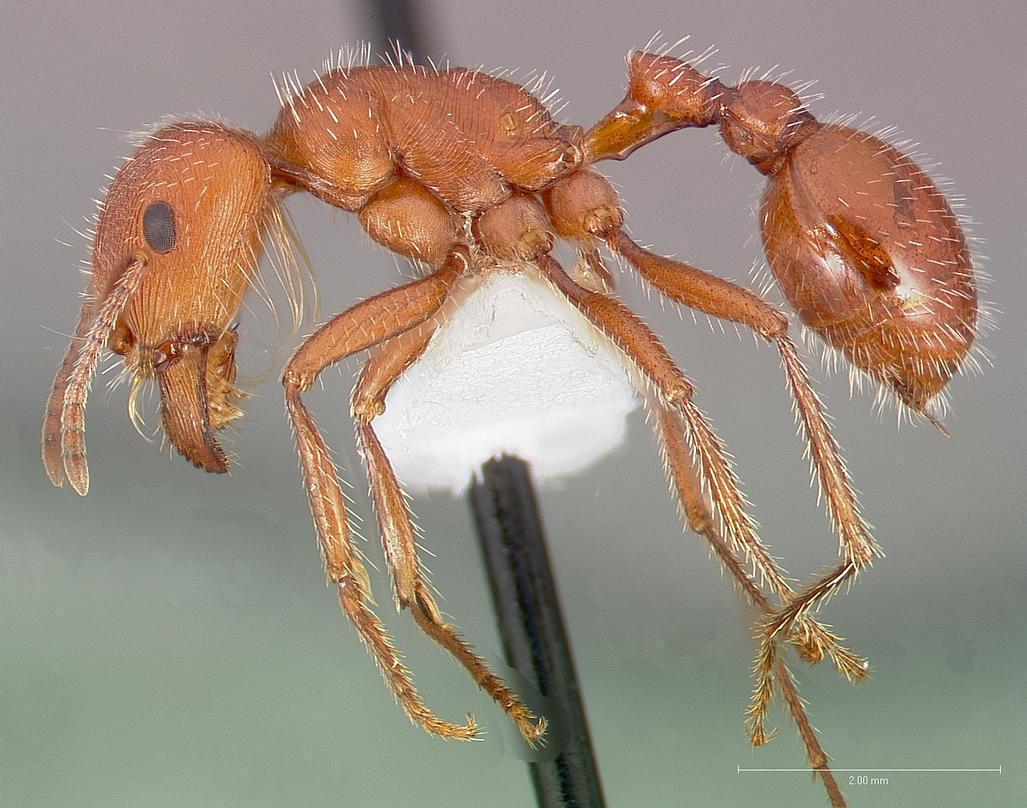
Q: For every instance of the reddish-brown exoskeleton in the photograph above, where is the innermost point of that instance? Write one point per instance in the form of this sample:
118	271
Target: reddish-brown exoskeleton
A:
468	174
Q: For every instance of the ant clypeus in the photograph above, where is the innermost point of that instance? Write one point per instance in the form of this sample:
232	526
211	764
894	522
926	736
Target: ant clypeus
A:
467	174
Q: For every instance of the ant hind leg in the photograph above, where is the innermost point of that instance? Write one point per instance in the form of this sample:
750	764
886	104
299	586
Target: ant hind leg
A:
684	477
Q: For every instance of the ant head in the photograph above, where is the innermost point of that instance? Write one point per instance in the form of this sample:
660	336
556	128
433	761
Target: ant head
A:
191	205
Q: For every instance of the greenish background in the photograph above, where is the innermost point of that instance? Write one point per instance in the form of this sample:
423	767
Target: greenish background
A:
168	640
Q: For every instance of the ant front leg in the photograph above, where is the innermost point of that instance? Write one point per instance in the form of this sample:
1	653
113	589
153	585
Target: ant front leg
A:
363	326
412	588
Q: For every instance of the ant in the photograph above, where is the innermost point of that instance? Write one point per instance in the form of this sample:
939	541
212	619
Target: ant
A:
468	174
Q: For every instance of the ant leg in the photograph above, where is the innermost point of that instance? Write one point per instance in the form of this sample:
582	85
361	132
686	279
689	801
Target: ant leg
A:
718	297
347	572
363	326
665	94
818	758
812	639
674	391
412	589
397	531
684	478
385	366
375	320
584	207
698	289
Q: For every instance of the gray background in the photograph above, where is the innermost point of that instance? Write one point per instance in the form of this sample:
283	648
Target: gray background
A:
168	640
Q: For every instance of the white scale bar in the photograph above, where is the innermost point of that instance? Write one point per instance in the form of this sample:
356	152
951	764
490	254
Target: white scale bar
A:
832	769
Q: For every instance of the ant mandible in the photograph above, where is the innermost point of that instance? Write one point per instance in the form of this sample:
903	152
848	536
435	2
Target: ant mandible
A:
467	174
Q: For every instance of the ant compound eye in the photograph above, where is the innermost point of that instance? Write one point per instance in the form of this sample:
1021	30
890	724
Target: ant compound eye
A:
159	227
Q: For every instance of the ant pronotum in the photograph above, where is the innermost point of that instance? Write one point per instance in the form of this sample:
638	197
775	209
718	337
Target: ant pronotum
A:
468	174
